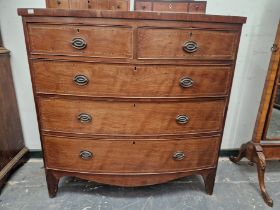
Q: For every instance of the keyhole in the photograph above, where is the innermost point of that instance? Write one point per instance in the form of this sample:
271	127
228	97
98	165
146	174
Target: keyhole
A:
190	34
78	30
133	142
134	105
135	68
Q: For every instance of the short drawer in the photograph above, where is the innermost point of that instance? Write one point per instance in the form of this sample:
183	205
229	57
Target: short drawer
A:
199	7
91	41
120	5
144	6
171	6
59	4
192	44
130	156
130	117
113	80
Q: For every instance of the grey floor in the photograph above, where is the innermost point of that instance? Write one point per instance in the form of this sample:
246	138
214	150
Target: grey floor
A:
236	188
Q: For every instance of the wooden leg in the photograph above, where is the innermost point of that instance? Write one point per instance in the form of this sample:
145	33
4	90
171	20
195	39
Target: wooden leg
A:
261	164
242	154
209	181
52	182
254	153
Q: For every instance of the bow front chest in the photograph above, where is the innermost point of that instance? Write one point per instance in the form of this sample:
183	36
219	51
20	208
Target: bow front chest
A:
130	98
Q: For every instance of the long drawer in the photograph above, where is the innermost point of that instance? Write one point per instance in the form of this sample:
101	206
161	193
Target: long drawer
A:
92	41
130	117
119	41
105	80
174	43
129	156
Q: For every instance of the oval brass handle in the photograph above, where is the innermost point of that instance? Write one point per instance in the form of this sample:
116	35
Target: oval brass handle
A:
178	155
86	155
81	80
84	118
182	119
79	43
190	47
186	82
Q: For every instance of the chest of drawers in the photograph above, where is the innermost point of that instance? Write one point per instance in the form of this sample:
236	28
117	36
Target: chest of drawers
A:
130	98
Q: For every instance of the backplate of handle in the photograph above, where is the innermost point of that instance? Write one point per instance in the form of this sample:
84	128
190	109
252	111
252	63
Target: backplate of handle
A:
190	47
178	155
86	155
186	82
84	118
182	119
81	80
79	43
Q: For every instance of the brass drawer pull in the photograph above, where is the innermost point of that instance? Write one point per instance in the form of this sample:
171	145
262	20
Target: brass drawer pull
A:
79	43
190	47
178	155
182	119
186	82
86	155
81	80
84	118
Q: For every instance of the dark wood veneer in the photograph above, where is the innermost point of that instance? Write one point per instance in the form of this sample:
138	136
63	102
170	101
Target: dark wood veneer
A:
12	150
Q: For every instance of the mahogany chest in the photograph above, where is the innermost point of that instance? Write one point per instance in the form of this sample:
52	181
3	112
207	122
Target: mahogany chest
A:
130	98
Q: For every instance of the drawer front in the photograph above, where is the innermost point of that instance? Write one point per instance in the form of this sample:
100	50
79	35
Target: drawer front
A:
160	43
59	4
120	5
170	6
130	81
145	6
79	4
92	41
130	118
197	7
102	4
130	156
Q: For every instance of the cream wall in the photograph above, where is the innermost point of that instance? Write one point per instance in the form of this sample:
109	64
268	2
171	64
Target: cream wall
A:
253	58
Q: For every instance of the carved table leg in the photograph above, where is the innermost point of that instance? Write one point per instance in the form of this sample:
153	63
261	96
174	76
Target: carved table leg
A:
209	181
254	153
52	182
261	164
242	154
